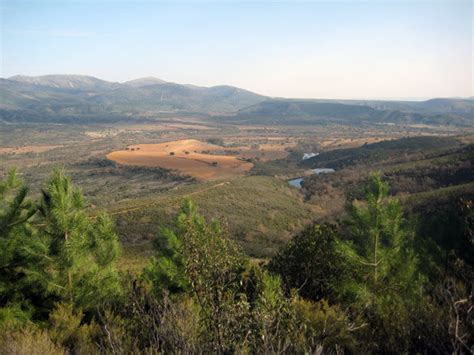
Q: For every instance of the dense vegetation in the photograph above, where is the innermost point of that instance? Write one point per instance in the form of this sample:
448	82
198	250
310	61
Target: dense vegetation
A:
419	170
372	282
387	151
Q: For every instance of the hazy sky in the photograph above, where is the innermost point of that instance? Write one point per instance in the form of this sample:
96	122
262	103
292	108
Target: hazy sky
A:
320	49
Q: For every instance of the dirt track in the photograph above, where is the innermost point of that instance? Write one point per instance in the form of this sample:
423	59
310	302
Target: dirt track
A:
183	196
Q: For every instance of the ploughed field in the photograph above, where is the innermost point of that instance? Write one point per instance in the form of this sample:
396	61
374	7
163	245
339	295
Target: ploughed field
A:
190	157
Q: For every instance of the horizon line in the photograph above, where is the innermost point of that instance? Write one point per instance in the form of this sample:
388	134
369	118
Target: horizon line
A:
372	98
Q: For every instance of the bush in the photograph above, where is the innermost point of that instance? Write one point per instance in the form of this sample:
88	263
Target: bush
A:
311	263
323	325
29	341
66	328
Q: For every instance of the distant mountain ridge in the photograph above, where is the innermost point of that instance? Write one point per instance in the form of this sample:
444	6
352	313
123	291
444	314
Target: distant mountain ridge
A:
432	112
80	98
140	82
78	82
86	95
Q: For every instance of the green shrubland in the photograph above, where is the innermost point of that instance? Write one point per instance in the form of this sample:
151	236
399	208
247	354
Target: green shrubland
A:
368	283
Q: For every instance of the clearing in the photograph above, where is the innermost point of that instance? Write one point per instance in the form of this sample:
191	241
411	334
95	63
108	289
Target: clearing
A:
186	156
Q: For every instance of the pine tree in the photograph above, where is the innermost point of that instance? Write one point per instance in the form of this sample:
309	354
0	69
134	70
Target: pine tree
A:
166	269
381	247
82	250
21	251
386	283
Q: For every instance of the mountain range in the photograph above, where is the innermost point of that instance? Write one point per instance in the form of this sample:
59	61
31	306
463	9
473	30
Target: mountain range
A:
79	98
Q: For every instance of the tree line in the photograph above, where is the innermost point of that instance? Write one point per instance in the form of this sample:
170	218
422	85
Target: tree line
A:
368	283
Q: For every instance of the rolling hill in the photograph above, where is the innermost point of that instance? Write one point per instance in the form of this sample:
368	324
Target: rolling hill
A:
74	82
56	95
77	98
280	111
137	83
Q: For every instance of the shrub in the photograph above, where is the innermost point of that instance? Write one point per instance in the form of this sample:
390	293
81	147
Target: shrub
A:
66	328
311	263
323	325
28	341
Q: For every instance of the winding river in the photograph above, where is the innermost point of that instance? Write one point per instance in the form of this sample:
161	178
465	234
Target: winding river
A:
297	182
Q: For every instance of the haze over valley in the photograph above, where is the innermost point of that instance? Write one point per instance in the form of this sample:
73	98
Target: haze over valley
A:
266	198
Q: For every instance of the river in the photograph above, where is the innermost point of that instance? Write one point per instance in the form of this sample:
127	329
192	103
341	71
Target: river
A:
297	182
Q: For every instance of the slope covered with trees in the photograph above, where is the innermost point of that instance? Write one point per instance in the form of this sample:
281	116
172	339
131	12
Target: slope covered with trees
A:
367	283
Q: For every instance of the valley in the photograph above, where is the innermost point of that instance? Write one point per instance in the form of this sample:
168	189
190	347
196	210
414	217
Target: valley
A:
134	170
236	177
268	174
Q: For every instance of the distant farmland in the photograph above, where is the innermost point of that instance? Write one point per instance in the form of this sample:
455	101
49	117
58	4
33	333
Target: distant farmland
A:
186	156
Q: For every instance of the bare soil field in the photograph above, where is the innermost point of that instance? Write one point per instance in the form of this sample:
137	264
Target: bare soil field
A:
185	156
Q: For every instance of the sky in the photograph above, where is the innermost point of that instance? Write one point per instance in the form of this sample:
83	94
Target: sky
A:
405	49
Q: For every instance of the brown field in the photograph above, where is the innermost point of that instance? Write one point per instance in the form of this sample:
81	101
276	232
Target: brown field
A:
187	159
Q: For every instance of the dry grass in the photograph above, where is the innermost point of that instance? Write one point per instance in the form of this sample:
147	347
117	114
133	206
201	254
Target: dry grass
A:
28	341
335	143
28	149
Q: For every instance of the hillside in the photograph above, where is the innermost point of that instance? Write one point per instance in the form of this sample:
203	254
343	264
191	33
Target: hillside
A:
140	82
281	111
386	152
421	166
451	106
71	82
175	97
260	212
56	96
77	98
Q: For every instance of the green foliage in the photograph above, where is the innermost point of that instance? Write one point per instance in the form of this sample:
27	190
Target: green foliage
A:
82	251
166	270
22	253
386	285
273	326
14	314
66	328
260	228
15	208
60	291
241	307
323	325
311	263
381	248
199	256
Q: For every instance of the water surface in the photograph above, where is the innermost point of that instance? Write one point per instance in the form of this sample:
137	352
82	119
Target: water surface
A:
297	182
